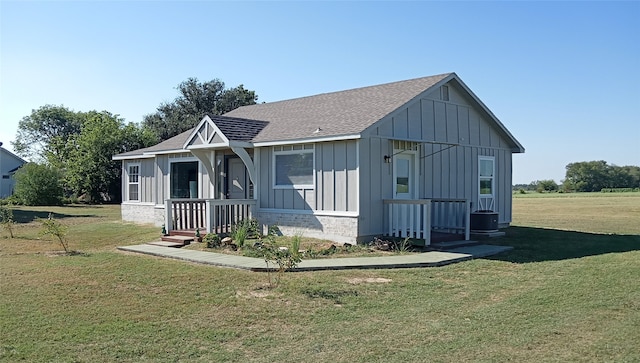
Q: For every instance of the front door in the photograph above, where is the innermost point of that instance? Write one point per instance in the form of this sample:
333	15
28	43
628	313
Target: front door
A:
237	179
404	176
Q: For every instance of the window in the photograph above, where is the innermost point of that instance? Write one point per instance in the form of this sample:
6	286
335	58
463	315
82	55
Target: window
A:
293	166
184	180
133	182
486	172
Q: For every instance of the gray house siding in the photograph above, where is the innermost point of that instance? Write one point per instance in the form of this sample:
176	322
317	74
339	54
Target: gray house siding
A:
445	170
336	178
9	163
375	184
146	179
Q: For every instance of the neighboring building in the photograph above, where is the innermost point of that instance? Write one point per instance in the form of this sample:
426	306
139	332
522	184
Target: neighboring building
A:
401	158
9	164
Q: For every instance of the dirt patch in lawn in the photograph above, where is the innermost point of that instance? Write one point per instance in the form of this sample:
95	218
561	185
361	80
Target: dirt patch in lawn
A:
368	280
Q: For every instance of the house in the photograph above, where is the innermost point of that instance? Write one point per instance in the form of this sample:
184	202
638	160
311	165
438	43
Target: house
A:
9	164
404	159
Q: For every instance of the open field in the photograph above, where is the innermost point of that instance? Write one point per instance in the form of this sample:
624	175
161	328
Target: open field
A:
617	213
568	292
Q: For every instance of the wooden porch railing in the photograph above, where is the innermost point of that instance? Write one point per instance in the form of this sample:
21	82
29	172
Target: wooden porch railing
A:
210	215
409	218
418	217
183	214
451	216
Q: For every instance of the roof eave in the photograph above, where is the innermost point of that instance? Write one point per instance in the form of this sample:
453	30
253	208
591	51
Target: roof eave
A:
308	140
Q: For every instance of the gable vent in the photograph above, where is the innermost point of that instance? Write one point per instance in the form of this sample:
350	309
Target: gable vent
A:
444	93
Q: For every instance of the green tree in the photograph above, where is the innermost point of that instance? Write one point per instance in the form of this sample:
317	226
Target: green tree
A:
38	184
41	135
80	145
194	102
542	186
89	170
593	176
588	176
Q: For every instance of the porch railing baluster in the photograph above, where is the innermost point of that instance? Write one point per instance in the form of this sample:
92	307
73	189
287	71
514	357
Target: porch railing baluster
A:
417	218
211	215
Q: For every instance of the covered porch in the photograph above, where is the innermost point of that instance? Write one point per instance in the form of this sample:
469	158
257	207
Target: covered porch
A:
427	219
223	150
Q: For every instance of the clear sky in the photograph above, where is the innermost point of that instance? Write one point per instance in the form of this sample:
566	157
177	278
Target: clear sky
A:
564	77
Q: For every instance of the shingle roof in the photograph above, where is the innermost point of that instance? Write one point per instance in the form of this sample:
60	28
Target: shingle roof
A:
174	143
238	129
337	113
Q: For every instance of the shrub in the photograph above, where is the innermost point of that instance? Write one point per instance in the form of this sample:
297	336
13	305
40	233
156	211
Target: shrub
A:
246	228
54	228
38	184
284	258
212	240
6	219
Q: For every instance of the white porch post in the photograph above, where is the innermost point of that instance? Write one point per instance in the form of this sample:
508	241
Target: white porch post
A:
168	216
467	221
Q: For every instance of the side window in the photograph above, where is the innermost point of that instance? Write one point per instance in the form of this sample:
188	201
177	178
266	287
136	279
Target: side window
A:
486	170
133	182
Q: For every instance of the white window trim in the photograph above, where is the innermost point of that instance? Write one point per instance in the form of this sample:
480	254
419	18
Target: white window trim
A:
129	183
184	159
275	152
493	176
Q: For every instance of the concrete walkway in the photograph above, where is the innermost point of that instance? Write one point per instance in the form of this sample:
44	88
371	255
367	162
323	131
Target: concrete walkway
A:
426	259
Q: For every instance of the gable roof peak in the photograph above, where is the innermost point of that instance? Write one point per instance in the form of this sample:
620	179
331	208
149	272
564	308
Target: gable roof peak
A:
339	113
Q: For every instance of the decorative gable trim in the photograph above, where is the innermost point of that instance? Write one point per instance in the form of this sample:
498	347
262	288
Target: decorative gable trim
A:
206	134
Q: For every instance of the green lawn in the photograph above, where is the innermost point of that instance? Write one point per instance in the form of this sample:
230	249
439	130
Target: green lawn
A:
568	292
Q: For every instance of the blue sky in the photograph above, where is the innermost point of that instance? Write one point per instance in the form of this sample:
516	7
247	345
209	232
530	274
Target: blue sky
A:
564	77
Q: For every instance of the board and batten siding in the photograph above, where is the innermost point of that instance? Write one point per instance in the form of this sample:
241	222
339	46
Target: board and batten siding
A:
452	173
145	179
335	180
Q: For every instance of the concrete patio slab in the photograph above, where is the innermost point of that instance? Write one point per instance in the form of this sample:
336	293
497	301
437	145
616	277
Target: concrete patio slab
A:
426	259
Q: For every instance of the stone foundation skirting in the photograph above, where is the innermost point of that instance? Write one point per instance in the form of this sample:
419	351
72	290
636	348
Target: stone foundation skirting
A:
342	229
143	213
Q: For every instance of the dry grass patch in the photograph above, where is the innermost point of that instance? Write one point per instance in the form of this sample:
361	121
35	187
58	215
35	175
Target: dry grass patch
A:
369	280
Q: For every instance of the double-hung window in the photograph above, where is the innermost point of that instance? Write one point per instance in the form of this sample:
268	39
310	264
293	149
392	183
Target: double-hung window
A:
486	171
293	166
133	182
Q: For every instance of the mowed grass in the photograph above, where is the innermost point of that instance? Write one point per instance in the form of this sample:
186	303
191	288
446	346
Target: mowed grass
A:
568	292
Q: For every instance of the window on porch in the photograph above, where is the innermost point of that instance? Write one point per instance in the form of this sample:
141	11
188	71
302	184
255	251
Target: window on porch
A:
184	180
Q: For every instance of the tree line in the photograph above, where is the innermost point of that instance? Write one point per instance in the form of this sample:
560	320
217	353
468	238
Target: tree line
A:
590	176
71	151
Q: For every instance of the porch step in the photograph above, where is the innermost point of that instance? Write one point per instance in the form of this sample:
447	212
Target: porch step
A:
184	232
449	245
166	244
184	240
